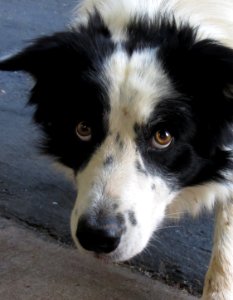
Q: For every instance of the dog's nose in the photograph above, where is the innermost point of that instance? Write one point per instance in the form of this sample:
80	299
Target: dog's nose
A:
99	237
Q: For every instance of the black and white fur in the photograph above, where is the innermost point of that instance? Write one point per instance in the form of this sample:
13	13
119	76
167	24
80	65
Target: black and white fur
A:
130	69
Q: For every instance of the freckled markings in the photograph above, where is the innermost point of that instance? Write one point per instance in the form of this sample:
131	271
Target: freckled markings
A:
108	161
119	141
115	206
121	219
121	145
117	137
140	168
136	127
132	217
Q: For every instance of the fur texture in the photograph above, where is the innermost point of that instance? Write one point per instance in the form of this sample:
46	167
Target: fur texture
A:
136	97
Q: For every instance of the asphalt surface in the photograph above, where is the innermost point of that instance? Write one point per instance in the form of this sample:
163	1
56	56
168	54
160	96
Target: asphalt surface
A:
34	193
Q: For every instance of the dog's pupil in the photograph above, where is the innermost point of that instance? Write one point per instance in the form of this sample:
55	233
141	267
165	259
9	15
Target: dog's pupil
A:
84	129
163	136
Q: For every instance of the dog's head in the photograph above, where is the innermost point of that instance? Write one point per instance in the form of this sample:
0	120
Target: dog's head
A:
138	120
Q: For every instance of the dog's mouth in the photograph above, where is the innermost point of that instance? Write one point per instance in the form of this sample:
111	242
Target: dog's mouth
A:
116	256
114	236
102	257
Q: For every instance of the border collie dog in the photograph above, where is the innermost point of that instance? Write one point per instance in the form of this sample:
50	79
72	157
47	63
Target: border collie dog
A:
137	98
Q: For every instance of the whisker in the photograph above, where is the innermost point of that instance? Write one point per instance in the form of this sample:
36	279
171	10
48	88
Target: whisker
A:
153	240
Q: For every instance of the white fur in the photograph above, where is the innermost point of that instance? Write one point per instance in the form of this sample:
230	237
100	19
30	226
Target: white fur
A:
137	84
204	196
213	16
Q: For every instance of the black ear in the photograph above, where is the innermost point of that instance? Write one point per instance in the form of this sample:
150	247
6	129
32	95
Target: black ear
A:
199	67
212	66
210	77
204	72
48	54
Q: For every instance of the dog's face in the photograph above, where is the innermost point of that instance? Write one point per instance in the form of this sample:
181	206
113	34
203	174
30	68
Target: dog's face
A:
138	121
121	188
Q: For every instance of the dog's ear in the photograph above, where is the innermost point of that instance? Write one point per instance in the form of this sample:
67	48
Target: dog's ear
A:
47	54
199	66
212	66
204	71
212	78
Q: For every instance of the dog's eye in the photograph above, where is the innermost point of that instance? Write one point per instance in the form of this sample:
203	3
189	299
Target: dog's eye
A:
83	131
162	139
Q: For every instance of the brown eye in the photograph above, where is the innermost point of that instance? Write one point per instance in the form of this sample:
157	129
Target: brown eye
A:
83	131
162	139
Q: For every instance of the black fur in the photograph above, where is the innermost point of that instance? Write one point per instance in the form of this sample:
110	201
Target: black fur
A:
162	31
66	67
132	218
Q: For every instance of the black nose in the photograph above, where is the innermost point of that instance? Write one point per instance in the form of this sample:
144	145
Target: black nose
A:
101	236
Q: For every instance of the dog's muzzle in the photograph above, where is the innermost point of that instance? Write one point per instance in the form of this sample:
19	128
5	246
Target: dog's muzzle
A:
100	235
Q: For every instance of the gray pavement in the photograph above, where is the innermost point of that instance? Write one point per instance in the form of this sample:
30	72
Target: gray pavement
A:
35	267
32	192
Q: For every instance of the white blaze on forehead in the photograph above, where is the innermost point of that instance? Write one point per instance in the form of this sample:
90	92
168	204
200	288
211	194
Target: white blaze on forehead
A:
136	85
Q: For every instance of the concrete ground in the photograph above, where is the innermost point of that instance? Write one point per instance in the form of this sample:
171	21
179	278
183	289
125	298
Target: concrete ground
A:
35	267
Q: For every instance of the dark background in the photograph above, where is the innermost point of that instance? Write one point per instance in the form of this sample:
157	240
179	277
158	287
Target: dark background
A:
34	193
